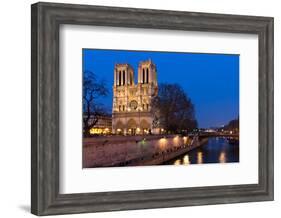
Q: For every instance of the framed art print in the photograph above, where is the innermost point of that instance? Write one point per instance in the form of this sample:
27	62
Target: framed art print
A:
138	108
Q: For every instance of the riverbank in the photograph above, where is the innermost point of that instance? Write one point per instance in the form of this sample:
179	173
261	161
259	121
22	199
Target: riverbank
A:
109	151
167	155
216	150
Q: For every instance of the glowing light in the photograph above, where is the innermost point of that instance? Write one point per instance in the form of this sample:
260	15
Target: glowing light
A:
222	157
96	131
143	141
185	140
199	157
99	131
186	160
162	143
177	162
138	129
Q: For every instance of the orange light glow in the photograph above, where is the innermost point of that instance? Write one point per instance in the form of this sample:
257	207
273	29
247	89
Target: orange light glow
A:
186	160
199	157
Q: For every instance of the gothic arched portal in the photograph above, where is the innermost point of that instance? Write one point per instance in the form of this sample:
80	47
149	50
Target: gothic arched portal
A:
119	127
132	127
145	127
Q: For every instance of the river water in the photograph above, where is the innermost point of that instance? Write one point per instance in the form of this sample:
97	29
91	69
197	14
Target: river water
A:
217	150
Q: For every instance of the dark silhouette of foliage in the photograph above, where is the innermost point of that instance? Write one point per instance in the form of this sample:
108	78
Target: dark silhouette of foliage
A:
232	125
173	109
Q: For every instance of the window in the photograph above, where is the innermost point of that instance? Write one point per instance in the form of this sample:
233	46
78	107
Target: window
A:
143	75
131	79
146	75
119	81
123	77
123	107
116	77
119	107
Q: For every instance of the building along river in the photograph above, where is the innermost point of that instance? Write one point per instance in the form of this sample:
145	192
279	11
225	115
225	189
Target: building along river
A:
217	150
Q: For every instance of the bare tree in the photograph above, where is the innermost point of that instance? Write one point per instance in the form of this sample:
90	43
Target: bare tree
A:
92	109
173	109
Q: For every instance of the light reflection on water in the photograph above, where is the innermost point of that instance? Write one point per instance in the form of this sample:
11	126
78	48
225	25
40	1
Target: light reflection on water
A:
217	150
222	157
186	160
199	157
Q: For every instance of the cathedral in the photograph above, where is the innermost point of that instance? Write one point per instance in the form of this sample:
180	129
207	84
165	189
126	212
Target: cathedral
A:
131	108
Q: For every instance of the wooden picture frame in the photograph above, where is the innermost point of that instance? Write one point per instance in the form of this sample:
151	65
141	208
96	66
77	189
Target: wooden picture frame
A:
46	20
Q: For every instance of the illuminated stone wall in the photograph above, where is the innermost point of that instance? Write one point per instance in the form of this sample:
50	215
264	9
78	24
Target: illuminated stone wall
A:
112	150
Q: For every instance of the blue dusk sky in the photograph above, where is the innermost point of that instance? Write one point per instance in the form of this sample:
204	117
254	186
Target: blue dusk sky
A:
210	80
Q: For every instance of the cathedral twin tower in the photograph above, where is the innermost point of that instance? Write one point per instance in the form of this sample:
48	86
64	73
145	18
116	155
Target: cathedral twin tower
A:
131	110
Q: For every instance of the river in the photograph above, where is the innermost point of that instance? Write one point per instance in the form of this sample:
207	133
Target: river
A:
216	150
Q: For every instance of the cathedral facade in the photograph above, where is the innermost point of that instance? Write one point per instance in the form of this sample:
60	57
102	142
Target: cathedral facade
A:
131	108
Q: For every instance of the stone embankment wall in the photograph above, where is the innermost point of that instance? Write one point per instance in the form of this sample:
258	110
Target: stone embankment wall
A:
106	151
